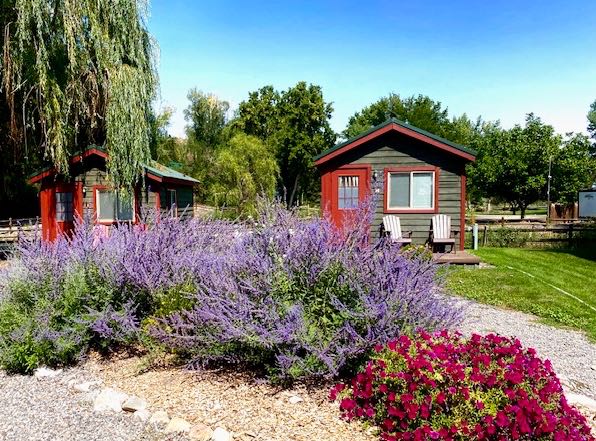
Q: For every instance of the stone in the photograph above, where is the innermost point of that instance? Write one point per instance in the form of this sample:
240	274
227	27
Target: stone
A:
295	399
132	404
200	432
582	401
177	424
221	434
90	396
86	386
142	415
44	372
109	399
160	418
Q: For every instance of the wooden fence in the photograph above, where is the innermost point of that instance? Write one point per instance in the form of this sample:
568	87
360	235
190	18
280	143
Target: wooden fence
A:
572	234
11	229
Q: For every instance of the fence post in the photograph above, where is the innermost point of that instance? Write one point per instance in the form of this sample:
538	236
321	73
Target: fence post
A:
570	235
475	235
484	234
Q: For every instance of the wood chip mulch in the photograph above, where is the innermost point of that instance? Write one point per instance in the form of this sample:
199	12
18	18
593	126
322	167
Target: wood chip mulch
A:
251	409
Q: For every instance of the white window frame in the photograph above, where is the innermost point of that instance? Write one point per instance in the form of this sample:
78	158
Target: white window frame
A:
98	210
411	177
169	192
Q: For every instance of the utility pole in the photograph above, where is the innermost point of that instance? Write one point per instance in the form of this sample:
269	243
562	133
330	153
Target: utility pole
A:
550	161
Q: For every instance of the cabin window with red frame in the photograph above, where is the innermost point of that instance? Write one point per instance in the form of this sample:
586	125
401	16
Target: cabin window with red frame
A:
410	190
111	207
64	206
347	189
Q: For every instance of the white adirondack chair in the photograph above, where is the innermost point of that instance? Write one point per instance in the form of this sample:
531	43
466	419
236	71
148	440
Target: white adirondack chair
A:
442	234
392	226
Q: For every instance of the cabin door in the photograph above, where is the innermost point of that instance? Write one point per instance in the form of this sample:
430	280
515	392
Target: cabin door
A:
68	205
350	185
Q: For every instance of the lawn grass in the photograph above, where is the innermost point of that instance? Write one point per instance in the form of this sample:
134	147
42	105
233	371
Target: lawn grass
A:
573	271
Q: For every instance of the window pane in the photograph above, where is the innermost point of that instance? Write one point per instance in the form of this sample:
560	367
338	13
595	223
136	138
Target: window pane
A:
347	192
64	207
125	209
106	207
422	190
399	190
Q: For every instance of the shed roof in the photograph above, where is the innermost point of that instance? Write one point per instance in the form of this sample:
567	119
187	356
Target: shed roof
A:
396	125
153	170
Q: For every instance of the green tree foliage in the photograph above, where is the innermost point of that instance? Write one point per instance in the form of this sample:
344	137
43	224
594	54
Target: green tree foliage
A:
573	168
75	73
592	123
295	125
512	165
244	169
419	111
206	116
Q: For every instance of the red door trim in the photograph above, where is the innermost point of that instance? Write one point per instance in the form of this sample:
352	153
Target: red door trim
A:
346	170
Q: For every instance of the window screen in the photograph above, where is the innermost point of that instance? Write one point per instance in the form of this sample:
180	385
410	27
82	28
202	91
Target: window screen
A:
64	206
411	190
111	207
347	196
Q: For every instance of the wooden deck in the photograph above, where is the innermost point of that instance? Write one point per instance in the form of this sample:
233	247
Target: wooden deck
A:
457	258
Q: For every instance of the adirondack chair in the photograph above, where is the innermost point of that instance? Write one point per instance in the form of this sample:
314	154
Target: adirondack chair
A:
392	226
441	233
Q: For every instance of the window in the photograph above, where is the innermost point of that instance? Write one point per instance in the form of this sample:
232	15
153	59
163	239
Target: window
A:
410	190
347	197
64	206
111	207
172	202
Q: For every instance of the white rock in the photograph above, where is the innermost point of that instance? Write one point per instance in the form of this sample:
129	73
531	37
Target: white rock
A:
132	404
200	432
160	418
141	415
177	424
91	396
581	400
44	372
86	386
221	434
109	399
295	399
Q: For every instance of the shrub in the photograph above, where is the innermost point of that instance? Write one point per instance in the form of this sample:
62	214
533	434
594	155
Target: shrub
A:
295	296
443	386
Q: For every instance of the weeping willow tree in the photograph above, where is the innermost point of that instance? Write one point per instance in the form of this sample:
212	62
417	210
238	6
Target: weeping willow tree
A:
75	73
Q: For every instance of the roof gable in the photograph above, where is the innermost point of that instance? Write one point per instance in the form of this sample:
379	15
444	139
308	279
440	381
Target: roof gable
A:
394	125
154	170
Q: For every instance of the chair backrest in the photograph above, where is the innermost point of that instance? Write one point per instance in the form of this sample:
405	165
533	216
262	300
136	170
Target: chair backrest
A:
392	225
441	226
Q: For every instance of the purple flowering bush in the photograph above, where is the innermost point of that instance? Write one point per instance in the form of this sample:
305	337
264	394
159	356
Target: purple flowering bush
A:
295	296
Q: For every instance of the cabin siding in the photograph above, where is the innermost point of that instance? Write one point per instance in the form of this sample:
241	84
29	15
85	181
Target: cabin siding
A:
396	150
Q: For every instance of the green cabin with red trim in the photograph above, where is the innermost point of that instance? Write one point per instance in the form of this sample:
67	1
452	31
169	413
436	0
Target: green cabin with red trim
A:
86	192
414	173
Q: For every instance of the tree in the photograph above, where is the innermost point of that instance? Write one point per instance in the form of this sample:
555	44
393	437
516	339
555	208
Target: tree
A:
75	74
573	168
206	116
244	169
295	125
592	124
419	111
513	164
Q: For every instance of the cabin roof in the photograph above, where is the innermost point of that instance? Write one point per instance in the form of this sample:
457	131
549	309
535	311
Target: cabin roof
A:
395	125
153	170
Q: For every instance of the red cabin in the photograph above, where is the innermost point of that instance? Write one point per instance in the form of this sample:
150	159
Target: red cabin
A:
86	192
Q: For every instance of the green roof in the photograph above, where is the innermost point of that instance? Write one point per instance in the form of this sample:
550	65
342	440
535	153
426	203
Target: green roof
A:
166	172
460	147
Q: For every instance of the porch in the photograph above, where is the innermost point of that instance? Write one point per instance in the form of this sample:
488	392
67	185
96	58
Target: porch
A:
457	258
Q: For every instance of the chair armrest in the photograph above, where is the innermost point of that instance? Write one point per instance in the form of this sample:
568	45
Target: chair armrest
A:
407	233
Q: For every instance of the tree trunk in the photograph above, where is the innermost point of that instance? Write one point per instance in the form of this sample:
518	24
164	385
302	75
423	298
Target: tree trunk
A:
522	210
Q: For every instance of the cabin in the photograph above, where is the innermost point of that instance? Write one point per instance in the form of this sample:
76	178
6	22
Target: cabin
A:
414	174
86	192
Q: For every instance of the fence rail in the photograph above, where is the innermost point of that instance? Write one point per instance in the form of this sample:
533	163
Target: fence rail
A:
503	235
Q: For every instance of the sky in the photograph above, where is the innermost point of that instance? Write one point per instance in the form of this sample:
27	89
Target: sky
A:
498	59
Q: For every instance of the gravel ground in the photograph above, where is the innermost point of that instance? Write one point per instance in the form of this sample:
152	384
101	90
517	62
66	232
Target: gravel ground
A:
33	409
44	409
571	353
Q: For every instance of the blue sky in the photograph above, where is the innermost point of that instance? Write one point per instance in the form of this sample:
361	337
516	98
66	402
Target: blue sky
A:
498	59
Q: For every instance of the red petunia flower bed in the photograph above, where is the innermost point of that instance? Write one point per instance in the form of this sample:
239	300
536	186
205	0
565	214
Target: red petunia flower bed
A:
444	386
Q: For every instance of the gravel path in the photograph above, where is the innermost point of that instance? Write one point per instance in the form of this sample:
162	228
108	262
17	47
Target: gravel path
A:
44	409
571	353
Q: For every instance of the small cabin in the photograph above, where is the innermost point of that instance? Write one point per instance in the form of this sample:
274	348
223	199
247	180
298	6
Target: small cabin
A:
414	173
86	192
